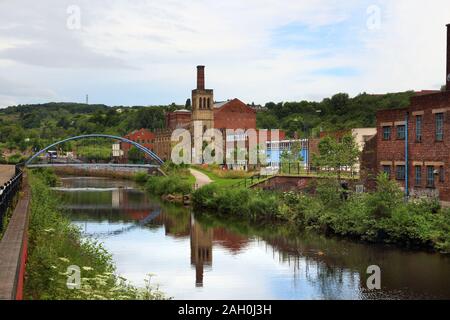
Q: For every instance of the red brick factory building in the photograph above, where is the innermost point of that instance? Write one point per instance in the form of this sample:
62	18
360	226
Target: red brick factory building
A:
413	143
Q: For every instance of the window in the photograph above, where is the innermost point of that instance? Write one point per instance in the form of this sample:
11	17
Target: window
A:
386	133
439	126
200	103
418	175
430	176
387	170
418	128
401	132
400	172
441	174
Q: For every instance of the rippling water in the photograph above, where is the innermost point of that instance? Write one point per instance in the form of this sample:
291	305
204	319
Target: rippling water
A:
196	256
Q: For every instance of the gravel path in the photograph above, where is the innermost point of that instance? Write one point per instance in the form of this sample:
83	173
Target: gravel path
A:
201	179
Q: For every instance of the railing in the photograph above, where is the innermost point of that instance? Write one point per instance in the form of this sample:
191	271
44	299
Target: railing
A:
7	193
247	182
298	169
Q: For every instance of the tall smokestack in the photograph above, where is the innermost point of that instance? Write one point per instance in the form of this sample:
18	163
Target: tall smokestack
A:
448	57
201	77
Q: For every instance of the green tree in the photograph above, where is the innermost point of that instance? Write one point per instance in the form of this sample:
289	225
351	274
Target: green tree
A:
187	105
134	155
337	154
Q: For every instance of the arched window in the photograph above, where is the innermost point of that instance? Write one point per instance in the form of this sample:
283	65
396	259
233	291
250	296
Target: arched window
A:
209	104
204	103
200	103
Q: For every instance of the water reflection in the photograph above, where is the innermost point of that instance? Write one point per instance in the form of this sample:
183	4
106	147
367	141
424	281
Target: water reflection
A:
203	257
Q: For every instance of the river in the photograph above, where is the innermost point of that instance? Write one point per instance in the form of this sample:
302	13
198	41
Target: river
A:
194	256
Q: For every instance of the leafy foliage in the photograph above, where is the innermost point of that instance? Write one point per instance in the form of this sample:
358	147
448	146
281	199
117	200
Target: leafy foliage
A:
168	185
381	216
335	155
29	128
331	114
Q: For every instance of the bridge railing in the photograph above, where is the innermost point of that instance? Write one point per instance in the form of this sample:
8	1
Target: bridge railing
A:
8	191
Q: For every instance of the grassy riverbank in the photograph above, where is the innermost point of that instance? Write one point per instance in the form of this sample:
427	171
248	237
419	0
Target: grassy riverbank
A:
223	178
55	244
177	182
381	216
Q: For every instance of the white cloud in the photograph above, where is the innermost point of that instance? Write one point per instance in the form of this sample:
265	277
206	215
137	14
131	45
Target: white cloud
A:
156	44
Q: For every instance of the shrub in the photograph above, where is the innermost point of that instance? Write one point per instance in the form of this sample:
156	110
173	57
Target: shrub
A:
168	185
386	199
16	158
205	197
329	192
171	168
263	205
47	175
237	201
353	218
140	177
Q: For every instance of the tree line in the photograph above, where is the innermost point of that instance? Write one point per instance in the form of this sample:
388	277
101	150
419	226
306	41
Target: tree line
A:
27	128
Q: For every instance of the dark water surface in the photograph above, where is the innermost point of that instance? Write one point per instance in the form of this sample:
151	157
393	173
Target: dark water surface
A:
197	257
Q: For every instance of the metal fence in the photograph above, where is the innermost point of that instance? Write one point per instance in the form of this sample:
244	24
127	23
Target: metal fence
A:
248	182
300	170
7	193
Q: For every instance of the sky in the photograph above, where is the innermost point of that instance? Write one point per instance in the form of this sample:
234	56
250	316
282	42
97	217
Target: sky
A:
144	52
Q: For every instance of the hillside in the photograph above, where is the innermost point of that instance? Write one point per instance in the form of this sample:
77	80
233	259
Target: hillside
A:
26	128
335	113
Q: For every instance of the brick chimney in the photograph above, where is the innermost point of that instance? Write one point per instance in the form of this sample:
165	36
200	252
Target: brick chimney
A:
448	58
201	77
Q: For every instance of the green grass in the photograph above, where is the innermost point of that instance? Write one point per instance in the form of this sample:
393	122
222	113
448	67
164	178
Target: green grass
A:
220	181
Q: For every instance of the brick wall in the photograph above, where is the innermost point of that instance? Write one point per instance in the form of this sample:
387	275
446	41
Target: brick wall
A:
144	137
235	115
425	153
369	167
177	119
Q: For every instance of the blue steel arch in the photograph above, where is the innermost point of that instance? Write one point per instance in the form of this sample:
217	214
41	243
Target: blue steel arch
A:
107	136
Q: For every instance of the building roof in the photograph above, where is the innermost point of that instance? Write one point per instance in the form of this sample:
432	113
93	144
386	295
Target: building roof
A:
220	104
182	111
425	92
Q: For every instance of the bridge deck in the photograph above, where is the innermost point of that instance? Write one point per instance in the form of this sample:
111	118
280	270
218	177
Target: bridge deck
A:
6	173
91	165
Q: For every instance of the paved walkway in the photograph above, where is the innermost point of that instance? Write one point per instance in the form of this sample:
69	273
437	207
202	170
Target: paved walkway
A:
6	173
201	179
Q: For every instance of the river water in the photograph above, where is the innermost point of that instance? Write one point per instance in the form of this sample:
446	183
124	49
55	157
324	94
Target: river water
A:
194	256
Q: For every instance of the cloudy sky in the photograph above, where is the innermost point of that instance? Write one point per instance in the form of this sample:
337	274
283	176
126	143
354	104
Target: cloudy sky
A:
144	52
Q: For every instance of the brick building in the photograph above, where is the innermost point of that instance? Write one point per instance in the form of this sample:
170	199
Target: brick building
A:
144	137
232	114
413	145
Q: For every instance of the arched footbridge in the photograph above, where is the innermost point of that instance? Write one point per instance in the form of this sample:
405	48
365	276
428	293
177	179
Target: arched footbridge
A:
153	156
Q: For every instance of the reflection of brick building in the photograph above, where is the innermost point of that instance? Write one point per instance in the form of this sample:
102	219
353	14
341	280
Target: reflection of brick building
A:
201	250
423	130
